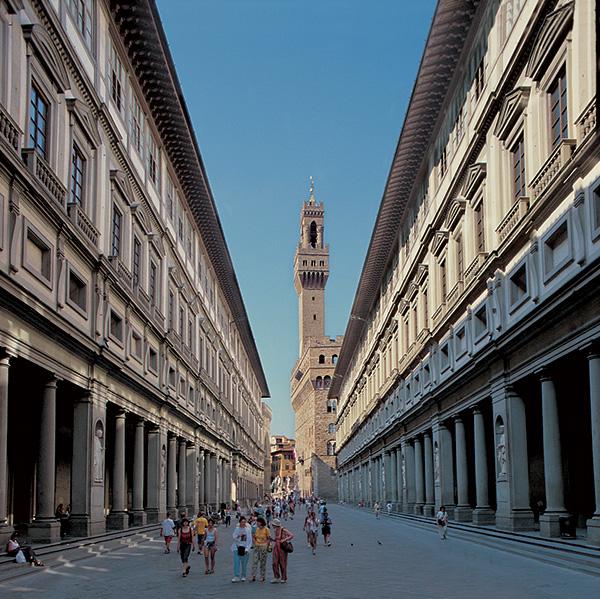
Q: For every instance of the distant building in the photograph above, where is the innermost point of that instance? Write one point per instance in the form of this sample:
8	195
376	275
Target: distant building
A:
267	415
312	375
283	466
470	370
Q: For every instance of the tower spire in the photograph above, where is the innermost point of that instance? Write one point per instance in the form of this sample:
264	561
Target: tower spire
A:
311	197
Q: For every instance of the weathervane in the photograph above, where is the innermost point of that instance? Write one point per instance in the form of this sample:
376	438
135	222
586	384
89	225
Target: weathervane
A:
312	190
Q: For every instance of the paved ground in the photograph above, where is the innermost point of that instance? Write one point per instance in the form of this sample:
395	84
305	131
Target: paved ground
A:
369	559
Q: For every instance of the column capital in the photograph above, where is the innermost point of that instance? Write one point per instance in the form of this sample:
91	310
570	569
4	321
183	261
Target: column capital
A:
457	418
120	413
140	422
476	409
51	380
591	350
85	396
6	356
544	374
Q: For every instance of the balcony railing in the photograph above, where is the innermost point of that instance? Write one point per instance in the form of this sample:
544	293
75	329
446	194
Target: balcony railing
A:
559	157
9	131
517	211
474	267
121	270
43	173
586	123
82	221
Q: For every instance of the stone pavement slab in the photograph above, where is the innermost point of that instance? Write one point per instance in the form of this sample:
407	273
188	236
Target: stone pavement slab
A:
369	559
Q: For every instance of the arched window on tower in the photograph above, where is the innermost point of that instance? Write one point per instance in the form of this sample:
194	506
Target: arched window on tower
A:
334	359
331	428
330	447
321	359
331	405
313	235
319	383
326	381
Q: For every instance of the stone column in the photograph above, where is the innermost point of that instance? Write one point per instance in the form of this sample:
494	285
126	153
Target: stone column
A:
172	477
419	480
207	478
81	481
4	368
386	469
553	475
118	519
181	473
45	528
138	515
393	477
410	476
446	468
463	511
429	507
482	514
191	482
213	479
593	524
201	500
154	467
399	479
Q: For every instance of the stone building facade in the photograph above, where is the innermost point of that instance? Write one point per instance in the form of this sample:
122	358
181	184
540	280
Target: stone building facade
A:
130	383
470	370
312	375
283	466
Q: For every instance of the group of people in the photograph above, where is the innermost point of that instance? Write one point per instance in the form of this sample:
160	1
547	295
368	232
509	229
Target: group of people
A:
441	518
259	534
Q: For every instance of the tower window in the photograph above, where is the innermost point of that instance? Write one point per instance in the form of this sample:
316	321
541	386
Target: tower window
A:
314	317
313	234
321	359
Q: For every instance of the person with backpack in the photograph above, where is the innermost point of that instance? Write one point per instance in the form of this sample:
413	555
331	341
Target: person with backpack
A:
282	546
442	522
185	545
326	528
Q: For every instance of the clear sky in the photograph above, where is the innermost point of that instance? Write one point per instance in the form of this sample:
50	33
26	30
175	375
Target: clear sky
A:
279	90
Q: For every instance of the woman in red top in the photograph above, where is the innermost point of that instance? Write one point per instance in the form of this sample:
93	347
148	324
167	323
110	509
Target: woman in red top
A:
185	545
282	535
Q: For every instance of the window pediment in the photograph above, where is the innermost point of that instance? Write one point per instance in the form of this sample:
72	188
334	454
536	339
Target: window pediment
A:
550	37
43	46
422	272
455	212
513	106
156	240
440	239
475	176
120	181
85	119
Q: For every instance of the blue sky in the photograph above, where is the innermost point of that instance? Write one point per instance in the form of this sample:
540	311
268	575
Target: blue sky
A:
279	90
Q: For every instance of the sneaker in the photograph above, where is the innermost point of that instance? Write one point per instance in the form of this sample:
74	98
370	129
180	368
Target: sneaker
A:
275	581
235	579
243	579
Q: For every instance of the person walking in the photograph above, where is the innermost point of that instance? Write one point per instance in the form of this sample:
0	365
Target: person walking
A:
228	517
210	547
442	522
242	543
326	528
311	527
185	545
200	524
167	531
282	546
261	542
377	509
388	507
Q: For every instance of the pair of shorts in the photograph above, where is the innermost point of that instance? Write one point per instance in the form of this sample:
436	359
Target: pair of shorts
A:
168	538
185	550
326	530
201	539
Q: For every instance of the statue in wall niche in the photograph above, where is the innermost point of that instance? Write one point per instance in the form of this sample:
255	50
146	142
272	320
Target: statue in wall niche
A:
403	471
99	452
436	463
163	466
501	455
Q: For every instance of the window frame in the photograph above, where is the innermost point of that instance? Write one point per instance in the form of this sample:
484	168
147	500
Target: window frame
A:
116	209
34	85
82	311
563	222
38	238
76	150
89	9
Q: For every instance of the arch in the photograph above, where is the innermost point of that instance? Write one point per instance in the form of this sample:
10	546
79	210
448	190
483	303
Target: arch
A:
321	359
331	428
330	447
334	359
313	234
319	382
327	381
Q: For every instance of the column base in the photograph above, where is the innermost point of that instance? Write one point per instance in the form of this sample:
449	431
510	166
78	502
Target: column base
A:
117	521
44	531
5	532
428	510
182	509
484	515
516	520
418	509
153	516
139	518
80	525
463	513
593	530
173	511
550	524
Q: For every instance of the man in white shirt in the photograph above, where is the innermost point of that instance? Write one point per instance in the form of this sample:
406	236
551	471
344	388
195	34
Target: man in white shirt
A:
167	531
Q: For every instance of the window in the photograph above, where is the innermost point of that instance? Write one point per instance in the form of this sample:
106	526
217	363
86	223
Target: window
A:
480	322
181	323
137	261
153	281
321	359
170	194
444	357
117	225
330	447
479	79
82	13
313	236
331	428
557	249
518	169
518	285
443	280
172	377
136	345
38	122
171	310
443	164
334	359
596	208
331	406
327	381
38	256
136	124
116	326
425	308
180	227
77	291
460	258
190	338
479	229
77	175
559	115
116	77
319	382
152	159
460	341
152	360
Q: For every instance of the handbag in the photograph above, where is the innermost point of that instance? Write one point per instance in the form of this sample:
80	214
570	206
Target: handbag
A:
241	550
287	547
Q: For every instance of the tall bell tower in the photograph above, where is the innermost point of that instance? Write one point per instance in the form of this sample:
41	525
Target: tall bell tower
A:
311	270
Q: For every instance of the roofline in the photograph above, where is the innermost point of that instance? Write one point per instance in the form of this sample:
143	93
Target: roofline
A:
154	66
444	45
